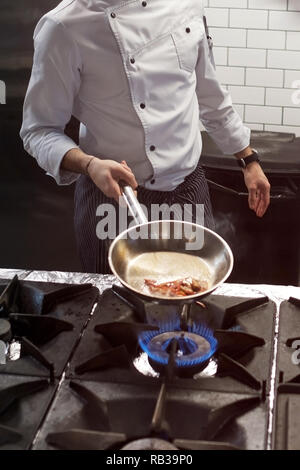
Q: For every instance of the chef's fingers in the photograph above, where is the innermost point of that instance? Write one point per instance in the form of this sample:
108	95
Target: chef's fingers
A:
121	173
253	199
258	196
261	209
264	201
124	163
112	188
126	167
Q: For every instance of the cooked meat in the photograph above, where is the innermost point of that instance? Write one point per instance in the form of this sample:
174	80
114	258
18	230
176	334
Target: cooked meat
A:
178	288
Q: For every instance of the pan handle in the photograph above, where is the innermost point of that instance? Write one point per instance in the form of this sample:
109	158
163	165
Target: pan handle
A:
132	203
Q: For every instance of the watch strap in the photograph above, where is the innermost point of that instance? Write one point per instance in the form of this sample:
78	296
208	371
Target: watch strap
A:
244	162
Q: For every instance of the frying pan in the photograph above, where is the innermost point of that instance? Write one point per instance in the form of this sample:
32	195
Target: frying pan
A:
166	250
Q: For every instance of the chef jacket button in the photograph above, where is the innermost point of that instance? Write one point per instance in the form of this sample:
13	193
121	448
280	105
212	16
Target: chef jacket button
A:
152	148
113	15
144	4
132	60
142	105
188	30
152	181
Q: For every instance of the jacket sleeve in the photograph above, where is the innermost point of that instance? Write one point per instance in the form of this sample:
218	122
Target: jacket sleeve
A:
216	112
54	82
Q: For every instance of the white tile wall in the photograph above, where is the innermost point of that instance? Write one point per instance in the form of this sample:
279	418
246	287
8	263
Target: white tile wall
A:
257	52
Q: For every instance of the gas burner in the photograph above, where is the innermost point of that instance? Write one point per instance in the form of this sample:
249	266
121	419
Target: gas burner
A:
149	444
191	347
143	366
194	348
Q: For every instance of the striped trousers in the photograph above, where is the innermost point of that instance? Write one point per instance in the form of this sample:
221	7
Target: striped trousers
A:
92	251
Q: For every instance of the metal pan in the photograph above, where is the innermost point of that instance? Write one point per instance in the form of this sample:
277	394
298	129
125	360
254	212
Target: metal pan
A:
167	250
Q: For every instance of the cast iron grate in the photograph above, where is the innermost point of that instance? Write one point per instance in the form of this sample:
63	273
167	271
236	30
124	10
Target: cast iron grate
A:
287	411
123	340
9	397
26	324
159	428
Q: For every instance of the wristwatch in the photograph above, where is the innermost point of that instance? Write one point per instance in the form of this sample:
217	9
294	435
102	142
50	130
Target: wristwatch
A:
244	162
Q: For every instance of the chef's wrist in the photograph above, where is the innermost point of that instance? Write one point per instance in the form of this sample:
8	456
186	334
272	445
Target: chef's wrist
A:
251	166
244	153
248	159
88	165
77	161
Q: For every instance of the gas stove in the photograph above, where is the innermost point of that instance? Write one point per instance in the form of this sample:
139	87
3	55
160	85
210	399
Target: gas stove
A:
129	374
40	325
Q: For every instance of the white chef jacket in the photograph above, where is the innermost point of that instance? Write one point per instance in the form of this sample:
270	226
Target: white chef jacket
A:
138	76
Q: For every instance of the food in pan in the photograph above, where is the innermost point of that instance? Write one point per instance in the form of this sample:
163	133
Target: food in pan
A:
178	288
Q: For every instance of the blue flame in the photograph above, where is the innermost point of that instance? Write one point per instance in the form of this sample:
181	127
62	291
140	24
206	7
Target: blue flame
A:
187	346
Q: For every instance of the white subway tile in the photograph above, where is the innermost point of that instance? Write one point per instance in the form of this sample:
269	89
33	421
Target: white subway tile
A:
280	97
228	3
263	114
257	19
291	77
217	16
228	37
293	41
283	60
247	94
254	126
268	4
257	52
287	129
264	77
231	75
266	39
284	20
247	57
220	55
294	5
291	116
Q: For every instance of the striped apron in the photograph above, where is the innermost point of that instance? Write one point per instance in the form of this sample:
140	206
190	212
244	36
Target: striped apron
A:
92	251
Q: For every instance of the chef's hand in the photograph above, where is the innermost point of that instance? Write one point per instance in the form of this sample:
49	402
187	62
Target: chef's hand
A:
258	187
106	174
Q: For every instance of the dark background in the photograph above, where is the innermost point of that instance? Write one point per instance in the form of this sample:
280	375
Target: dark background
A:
36	214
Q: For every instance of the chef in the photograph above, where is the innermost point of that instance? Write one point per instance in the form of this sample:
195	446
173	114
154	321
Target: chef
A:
138	76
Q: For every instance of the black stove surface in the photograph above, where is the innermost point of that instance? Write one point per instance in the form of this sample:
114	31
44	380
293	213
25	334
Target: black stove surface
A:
40	325
47	327
23	403
191	420
287	410
109	395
